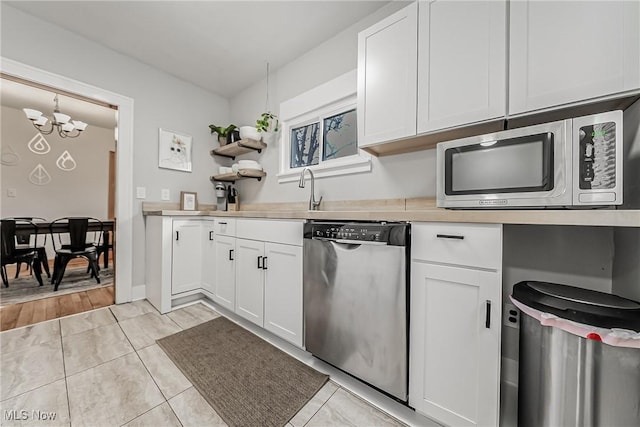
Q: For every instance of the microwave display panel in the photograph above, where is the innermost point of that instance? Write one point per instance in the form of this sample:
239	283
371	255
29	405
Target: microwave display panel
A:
521	164
598	156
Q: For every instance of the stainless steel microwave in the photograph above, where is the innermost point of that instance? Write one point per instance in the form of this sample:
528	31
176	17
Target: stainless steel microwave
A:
573	162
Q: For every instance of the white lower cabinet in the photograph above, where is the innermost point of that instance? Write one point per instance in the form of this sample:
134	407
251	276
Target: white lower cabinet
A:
269	276
283	291
250	280
455	324
224	292
175	252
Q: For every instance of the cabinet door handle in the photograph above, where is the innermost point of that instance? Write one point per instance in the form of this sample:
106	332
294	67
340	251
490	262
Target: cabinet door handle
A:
210	235
487	319
259	262
264	263
222	223
230	254
177	235
449	236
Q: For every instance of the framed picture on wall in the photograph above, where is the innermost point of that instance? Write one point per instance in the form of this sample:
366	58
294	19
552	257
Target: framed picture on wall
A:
188	201
174	151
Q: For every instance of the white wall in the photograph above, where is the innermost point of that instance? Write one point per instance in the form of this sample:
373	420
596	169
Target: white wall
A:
407	175
82	191
160	101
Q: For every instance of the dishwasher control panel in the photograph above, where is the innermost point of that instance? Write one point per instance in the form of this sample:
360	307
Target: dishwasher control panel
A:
381	232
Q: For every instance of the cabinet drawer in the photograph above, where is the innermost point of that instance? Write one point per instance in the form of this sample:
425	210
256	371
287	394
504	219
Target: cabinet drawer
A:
470	245
225	226
287	232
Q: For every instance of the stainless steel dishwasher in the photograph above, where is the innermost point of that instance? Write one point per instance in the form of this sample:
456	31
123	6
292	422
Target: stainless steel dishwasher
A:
355	300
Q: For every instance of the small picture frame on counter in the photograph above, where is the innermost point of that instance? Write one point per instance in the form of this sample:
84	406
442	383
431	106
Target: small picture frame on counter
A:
188	201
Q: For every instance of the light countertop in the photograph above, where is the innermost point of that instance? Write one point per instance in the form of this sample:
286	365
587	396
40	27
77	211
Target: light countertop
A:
413	210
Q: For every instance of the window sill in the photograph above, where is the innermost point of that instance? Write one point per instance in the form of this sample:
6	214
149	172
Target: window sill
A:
362	164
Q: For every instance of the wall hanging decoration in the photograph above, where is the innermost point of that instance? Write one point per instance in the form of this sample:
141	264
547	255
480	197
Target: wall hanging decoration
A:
66	162
39	145
39	175
61	123
174	151
9	156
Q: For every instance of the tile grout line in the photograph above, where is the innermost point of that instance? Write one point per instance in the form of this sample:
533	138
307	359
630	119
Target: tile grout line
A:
64	367
148	372
321	406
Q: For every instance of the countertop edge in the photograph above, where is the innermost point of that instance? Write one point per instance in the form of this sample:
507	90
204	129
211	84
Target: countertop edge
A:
594	217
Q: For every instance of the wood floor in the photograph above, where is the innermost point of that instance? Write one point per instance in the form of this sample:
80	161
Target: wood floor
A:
28	313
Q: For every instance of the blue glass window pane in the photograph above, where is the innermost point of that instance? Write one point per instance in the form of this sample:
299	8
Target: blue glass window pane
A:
305	145
340	135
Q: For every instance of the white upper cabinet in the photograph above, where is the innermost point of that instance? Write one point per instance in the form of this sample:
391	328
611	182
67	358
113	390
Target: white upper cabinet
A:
387	78
461	63
567	51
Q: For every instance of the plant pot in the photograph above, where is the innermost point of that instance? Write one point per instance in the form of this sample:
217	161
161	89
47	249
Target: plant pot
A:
233	136
222	140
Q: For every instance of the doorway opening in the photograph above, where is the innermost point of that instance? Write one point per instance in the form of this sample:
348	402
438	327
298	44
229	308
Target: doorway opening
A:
78	179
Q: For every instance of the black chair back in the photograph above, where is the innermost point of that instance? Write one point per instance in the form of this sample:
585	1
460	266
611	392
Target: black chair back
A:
25	239
8	238
77	232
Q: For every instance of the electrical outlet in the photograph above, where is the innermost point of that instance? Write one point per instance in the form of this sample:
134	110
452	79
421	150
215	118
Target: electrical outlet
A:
141	192
165	194
511	316
12	192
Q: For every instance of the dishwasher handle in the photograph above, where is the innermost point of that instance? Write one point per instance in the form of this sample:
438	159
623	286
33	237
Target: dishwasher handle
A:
353	242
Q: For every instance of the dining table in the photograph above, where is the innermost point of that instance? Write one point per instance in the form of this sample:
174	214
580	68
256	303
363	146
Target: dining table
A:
44	227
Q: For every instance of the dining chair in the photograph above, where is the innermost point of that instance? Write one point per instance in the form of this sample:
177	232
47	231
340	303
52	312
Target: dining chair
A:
11	254
24	241
75	237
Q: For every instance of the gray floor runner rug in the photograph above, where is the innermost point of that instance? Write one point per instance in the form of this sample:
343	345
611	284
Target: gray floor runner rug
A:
245	379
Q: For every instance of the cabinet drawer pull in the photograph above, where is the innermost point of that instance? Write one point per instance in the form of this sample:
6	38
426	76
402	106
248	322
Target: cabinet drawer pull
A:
449	236
264	263
222	223
177	235
230	254
259	262
210	235
487	319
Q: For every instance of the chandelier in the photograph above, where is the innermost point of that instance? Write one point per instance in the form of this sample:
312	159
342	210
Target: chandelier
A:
62	123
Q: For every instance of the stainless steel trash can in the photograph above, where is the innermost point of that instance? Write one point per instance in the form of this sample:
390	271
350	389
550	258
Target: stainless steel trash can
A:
579	357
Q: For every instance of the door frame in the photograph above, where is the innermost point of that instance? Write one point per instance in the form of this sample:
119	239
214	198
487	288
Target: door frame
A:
124	164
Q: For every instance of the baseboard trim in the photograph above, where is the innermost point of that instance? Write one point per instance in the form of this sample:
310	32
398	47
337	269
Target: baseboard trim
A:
138	292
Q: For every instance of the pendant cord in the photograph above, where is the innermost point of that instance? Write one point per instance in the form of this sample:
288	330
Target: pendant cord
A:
266	104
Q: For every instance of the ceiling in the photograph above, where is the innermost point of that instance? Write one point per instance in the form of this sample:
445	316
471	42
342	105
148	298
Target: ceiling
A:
17	95
222	46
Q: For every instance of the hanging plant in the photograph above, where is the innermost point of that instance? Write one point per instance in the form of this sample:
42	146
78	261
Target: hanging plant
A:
267	122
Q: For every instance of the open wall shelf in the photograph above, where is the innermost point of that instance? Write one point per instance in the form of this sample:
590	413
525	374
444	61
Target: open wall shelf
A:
239	147
241	174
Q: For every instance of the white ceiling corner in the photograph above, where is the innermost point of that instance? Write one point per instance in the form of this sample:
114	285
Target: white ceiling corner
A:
221	46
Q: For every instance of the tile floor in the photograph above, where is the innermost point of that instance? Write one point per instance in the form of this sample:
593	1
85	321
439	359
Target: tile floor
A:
103	368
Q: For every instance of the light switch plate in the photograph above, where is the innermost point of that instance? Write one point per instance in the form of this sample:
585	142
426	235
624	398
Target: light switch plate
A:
141	192
12	192
165	194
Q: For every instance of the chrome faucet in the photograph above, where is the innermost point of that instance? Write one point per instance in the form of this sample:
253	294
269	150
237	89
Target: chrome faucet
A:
313	205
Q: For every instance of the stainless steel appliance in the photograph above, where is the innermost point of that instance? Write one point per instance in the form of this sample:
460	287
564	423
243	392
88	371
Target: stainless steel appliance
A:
573	162
355	300
566	379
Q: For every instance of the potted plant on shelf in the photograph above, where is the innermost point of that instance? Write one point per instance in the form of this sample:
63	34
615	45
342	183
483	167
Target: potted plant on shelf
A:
267	124
225	134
